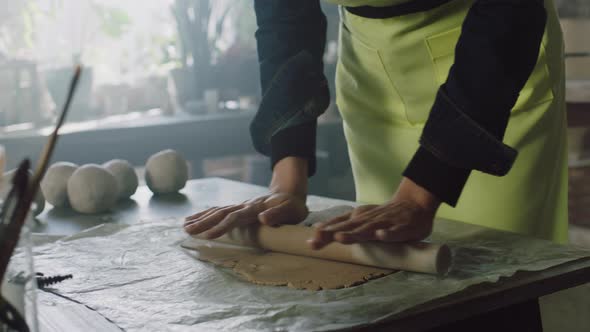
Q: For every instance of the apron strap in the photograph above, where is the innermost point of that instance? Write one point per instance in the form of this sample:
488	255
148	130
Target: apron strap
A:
406	8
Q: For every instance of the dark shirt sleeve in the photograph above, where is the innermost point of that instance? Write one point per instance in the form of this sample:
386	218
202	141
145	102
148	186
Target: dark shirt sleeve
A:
290	32
495	55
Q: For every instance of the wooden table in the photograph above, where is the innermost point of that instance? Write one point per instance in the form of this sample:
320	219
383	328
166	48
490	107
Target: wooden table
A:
512	299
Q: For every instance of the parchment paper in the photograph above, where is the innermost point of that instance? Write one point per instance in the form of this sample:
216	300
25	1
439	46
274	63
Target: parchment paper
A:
138	277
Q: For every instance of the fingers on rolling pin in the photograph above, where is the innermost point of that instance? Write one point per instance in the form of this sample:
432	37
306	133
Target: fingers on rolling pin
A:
234	219
203	214
321	237
201	226
209	220
362	209
275	215
322	225
365	232
221	213
199	214
402	233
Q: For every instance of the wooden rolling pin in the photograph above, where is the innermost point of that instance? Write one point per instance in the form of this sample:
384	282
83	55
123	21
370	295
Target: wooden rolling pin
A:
421	257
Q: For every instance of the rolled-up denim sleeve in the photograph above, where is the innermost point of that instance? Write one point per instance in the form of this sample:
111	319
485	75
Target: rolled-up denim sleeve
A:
291	38
495	55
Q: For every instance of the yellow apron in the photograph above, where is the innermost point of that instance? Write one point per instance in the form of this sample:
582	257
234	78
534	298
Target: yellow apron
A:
387	78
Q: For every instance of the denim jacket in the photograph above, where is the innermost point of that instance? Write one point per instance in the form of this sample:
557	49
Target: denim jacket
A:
467	122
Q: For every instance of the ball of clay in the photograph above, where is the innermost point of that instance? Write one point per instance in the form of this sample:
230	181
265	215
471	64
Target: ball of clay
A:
55	183
39	202
166	172
92	189
125	175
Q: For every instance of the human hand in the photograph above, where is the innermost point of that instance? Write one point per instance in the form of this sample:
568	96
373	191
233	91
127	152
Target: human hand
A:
271	210
407	217
285	204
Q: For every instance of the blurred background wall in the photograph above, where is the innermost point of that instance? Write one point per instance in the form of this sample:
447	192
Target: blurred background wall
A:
183	74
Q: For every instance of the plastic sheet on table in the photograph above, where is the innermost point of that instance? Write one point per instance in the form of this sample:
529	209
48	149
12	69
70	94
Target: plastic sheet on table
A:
139	278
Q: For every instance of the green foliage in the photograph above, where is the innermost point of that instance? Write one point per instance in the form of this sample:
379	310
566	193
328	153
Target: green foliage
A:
28	16
16	26
114	21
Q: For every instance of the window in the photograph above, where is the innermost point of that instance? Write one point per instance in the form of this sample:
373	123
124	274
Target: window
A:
161	56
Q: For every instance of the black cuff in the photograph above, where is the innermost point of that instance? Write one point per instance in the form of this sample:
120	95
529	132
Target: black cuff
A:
296	141
444	181
458	140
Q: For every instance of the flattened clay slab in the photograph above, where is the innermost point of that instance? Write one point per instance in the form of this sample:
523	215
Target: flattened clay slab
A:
277	269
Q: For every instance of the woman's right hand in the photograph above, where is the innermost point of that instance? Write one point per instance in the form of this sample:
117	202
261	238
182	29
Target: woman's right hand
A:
285	204
274	209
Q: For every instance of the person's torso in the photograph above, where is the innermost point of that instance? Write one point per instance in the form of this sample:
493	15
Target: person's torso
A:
373	3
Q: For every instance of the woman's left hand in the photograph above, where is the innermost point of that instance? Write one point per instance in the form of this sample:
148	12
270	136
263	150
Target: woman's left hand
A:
407	217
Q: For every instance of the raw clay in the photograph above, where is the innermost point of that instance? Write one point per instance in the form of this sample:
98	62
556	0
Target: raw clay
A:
166	172
92	189
277	269
125	175
55	183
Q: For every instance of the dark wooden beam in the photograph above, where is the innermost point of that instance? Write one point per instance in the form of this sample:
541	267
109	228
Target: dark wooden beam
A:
578	114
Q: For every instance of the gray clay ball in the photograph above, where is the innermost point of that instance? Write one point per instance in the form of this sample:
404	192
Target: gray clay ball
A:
125	175
92	189
166	172
55	183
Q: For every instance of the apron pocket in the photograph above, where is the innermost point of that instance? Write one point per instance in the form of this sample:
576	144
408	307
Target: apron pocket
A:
362	80
537	90
442	52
